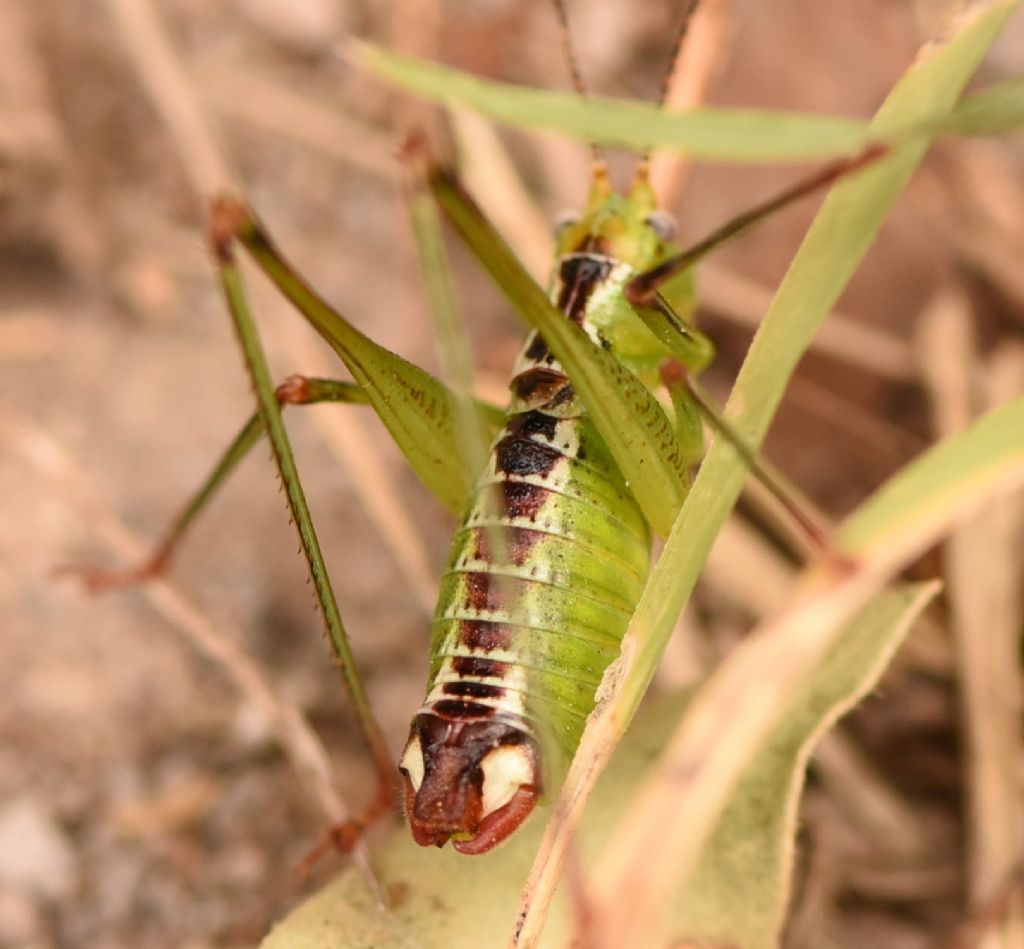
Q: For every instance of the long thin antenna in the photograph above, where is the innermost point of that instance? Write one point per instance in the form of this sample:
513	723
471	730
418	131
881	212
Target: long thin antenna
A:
574	70
684	26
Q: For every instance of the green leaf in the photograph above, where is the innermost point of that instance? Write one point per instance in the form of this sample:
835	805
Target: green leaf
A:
738	894
629	418
914	506
997	110
727	135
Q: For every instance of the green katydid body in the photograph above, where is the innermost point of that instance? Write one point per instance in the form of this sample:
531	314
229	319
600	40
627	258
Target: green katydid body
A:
553	551
548	563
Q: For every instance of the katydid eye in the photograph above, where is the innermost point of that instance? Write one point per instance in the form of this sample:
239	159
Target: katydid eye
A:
663	224
563	220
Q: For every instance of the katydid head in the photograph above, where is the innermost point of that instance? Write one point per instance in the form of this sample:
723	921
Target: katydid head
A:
472	782
627	226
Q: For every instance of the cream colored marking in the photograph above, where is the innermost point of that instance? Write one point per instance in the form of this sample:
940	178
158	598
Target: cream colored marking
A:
567	436
453	646
610	287
556	479
506	770
412	761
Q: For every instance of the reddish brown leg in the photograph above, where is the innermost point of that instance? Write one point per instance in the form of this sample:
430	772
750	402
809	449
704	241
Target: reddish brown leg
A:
342	838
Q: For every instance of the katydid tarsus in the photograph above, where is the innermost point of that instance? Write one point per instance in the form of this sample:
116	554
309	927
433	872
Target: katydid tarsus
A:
553	548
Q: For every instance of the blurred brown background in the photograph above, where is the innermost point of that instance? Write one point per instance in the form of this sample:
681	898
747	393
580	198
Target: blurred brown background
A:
143	798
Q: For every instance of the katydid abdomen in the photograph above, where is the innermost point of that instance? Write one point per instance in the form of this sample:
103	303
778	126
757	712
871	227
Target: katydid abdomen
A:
544	574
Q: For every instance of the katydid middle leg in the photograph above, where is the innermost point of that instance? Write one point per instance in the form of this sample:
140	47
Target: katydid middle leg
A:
295	390
689	348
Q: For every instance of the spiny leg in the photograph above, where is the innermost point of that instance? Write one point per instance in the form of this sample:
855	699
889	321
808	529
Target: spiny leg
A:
691	353
295	390
418	411
222	236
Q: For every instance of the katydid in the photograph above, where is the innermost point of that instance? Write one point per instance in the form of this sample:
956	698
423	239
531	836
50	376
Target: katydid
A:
554	545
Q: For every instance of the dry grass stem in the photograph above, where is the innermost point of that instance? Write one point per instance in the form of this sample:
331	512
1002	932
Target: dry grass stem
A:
983	557
701	58
47	458
146	40
257	100
492	178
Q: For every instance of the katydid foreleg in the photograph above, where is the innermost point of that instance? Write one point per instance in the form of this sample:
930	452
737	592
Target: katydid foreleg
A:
642	290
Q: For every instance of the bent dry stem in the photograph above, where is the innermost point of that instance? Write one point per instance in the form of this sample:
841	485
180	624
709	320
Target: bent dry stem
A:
295	390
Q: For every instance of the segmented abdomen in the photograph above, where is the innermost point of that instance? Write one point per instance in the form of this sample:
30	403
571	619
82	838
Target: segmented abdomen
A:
545	570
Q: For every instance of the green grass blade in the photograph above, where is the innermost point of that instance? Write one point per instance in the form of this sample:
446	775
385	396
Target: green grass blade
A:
911	508
726	135
449	330
632	422
831	251
997	110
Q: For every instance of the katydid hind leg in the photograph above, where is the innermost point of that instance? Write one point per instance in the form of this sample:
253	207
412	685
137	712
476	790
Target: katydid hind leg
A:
418	410
222	241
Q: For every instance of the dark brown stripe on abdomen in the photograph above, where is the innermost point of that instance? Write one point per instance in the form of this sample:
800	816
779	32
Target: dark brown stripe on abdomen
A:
485	635
481	668
473	690
459	709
